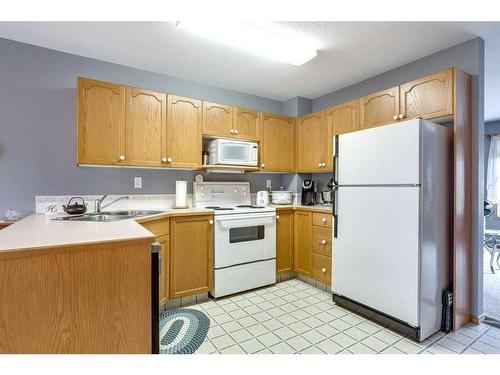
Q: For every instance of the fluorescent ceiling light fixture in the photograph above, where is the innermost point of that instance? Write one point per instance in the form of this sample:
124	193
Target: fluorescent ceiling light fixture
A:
257	38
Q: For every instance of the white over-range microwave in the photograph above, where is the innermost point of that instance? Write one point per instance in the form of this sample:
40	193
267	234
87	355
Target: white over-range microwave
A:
231	152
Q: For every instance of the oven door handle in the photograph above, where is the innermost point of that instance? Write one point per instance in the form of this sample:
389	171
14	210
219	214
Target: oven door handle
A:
242	222
232	217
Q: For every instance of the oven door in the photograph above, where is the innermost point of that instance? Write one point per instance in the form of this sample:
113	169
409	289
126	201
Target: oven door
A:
244	238
237	153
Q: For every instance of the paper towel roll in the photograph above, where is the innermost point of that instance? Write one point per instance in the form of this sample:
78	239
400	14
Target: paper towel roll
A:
180	193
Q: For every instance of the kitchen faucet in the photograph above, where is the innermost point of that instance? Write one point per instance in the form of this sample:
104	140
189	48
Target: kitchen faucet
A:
98	206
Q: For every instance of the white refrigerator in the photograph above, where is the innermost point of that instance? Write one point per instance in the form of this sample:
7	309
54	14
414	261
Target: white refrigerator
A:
392	223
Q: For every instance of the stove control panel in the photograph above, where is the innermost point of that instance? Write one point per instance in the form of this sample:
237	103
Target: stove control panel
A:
221	193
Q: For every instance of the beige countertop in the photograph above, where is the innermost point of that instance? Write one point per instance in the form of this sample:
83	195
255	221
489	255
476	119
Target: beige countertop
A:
315	208
40	232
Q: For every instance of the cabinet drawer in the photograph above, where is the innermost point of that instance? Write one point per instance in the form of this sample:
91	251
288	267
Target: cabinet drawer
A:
322	268
322	219
158	227
322	241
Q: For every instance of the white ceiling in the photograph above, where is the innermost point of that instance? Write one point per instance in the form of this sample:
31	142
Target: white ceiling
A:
349	52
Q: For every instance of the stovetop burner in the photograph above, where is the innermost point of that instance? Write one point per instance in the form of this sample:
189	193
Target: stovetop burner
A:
248	206
217	208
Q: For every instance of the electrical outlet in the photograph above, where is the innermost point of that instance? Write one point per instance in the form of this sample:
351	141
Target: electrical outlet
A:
138	182
268	184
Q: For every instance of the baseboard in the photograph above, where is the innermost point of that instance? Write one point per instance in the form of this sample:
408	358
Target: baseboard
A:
477	319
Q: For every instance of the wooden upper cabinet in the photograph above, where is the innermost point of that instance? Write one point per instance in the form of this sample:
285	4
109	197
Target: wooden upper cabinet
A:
428	97
302	221
277	143
217	119
100	122
246	124
145	127
343	118
310	135
190	255
380	108
184	118
284	241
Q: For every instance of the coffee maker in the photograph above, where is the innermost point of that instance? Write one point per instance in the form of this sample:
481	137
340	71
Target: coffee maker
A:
308	193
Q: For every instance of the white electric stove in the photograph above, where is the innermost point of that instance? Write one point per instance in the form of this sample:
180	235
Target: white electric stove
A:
244	237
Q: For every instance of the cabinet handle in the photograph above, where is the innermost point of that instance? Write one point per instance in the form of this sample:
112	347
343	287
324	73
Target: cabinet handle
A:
324	165
262	165
210	222
169	160
323	270
236	132
323	242
231	131
401	116
122	157
320	164
277	217
163	160
395	117
323	220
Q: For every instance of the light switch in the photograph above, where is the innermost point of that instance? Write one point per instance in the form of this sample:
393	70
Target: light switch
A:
138	182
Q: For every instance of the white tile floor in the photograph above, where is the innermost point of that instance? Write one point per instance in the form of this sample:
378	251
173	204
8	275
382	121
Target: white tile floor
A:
294	317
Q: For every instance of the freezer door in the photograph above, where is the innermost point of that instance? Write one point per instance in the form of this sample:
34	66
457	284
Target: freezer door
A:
375	254
385	155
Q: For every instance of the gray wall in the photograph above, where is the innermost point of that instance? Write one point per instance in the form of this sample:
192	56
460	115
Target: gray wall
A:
37	127
468	56
490	128
297	106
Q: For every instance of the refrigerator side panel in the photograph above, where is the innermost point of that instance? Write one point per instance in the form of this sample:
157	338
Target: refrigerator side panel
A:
376	251
386	155
436	228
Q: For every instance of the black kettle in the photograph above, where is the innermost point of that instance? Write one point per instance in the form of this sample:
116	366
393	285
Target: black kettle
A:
75	208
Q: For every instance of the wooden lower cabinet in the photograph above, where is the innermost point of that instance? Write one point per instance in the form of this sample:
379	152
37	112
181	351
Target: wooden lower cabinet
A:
164	262
284	241
322	268
191	254
302	242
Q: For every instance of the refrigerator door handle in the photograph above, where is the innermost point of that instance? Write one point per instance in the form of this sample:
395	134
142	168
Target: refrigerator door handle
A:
335	159
334	210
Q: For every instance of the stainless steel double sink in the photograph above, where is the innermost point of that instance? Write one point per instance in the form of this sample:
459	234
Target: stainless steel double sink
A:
109	215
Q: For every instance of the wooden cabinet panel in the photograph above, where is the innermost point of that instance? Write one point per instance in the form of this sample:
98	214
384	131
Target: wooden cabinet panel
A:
191	249
158	227
309	138
217	119
100	122
302	223
284	241
322	219
322	268
184	132
428	97
145	127
164	262
322	241
246	124
343	118
380	108
278	143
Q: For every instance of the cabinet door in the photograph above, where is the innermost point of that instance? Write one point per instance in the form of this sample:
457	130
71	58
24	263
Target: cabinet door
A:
183	132
145	127
278	143
191	240
217	119
380	108
309	133
343	118
100	122
322	268
302	242
164	262
428	97
284	241
246	124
